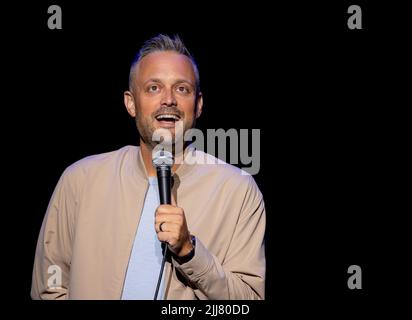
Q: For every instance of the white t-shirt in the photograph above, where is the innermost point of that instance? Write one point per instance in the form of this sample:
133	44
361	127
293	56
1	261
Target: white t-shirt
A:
146	257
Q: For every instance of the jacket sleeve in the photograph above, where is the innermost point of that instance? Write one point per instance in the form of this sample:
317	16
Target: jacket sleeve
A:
51	269
242	273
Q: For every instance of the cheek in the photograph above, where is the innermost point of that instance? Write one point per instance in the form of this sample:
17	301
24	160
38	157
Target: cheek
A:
188	107
147	106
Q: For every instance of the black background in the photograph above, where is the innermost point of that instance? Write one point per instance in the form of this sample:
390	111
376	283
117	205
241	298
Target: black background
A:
328	100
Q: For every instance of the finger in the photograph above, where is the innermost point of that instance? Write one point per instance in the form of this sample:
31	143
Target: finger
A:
168	209
177	219
174	201
171	226
170	216
159	228
168	237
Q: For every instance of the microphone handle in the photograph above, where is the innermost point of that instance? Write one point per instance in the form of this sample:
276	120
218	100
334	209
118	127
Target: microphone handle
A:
163	180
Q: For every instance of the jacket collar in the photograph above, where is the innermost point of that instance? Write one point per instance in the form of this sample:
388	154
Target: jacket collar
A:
184	169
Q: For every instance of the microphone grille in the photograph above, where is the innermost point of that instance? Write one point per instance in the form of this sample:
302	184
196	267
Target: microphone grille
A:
162	158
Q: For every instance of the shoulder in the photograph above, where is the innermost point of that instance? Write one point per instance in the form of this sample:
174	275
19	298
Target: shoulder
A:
224	174
99	163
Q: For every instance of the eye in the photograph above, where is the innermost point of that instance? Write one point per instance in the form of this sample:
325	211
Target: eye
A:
153	88
183	89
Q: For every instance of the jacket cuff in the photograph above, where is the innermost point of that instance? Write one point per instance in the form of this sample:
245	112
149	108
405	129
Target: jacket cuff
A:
199	265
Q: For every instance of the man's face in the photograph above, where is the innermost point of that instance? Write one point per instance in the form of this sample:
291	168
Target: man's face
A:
163	93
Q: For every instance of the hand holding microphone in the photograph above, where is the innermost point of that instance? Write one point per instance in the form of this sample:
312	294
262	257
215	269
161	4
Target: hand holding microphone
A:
170	221
171	227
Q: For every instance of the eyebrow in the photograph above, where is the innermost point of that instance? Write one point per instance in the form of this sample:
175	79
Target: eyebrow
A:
157	80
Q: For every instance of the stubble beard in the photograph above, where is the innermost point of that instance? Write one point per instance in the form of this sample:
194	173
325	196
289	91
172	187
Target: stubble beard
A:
147	130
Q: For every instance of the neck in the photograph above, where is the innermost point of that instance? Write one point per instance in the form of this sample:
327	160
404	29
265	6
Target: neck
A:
146	151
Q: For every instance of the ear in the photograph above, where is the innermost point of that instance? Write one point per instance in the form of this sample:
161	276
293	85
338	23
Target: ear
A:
129	103
199	105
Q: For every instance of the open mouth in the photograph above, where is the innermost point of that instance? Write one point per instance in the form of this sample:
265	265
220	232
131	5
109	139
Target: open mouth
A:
167	120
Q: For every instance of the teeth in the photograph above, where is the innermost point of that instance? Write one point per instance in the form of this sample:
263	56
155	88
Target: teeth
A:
167	117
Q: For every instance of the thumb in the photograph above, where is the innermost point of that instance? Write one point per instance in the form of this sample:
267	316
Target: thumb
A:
173	200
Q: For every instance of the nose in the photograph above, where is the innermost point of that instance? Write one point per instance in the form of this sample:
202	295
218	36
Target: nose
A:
168	98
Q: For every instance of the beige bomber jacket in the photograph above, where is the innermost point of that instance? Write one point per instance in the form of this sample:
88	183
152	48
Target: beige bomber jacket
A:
91	221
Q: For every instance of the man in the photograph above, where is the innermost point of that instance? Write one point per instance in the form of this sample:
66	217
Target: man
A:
102	233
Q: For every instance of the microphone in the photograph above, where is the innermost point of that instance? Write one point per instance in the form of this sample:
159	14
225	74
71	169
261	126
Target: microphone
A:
163	162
